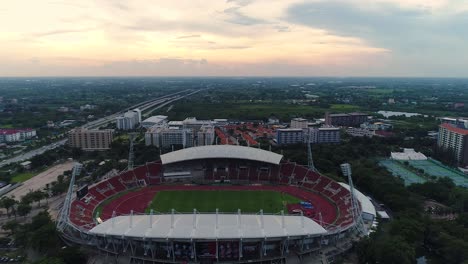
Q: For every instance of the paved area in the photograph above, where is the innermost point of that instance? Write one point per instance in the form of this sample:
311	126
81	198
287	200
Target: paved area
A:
39	181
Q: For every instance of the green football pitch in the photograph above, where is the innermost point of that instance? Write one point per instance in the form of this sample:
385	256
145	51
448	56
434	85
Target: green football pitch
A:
225	201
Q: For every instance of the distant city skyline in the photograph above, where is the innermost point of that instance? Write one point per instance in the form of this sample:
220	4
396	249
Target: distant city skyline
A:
406	38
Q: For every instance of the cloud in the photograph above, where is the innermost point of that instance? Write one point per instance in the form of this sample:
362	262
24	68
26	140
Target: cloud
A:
415	36
189	36
282	28
59	32
235	16
384	24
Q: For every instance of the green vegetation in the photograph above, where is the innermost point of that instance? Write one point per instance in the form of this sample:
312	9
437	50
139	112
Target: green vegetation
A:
257	111
41	237
344	108
21	177
225	201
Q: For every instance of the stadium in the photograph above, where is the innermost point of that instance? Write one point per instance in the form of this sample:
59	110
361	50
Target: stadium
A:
216	204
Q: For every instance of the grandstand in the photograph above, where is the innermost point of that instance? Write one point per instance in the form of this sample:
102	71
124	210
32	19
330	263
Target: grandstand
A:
113	215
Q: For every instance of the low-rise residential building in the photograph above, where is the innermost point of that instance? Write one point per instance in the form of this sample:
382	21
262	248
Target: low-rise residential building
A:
273	120
90	139
299	123
346	120
360	132
288	136
324	135
377	126
16	135
153	121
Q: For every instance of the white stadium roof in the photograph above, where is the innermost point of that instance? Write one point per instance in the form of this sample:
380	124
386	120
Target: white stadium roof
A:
221	151
366	204
208	226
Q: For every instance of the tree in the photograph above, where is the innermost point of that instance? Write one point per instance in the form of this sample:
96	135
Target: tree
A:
37	196
11	226
395	250
8	203
24	209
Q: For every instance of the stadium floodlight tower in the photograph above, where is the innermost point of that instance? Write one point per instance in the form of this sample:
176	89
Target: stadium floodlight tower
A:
310	160
63	217
357	217
131	154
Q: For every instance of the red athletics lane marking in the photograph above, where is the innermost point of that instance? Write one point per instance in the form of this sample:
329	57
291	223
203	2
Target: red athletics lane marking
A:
138	201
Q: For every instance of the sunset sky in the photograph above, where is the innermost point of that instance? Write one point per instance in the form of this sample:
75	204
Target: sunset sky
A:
234	38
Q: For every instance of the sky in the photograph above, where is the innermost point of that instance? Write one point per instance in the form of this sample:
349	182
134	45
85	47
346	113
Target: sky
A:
407	38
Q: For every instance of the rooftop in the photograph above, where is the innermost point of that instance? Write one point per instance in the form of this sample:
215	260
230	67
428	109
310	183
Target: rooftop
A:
208	226
221	151
155	119
455	129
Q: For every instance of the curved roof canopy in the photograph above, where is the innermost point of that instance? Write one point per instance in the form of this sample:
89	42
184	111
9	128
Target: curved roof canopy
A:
208	226
221	151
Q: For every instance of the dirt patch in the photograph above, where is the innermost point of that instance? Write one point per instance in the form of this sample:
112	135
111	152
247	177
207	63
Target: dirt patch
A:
39	181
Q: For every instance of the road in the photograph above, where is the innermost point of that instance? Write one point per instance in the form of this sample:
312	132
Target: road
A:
142	106
149	105
32	153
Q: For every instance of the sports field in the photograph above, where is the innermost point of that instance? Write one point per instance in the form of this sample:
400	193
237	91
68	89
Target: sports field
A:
225	201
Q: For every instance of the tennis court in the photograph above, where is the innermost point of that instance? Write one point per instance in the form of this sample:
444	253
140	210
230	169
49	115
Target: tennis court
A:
397	169
437	169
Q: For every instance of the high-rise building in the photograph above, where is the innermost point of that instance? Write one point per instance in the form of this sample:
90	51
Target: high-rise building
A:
205	136
129	120
348	120
165	136
90	139
455	139
299	123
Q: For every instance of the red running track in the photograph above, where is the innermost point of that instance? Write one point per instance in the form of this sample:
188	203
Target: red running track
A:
140	199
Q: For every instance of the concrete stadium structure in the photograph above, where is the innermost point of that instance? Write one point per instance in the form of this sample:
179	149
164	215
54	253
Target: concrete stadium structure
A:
123	229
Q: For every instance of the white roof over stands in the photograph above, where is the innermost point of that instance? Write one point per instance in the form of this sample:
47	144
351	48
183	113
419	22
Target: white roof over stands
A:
408	154
208	226
221	151
366	204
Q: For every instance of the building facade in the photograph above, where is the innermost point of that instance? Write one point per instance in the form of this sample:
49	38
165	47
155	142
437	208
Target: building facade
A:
299	123
129	120
348	120
16	135
324	135
289	136
205	136
455	139
165	136
90	139
360	132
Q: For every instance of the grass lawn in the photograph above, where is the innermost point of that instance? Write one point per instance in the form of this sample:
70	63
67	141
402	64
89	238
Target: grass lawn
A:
344	107
21	177
226	201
